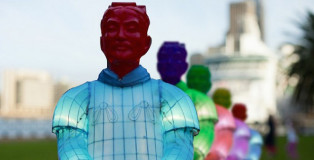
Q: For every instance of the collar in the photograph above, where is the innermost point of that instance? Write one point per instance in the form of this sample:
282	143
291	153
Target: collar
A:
136	76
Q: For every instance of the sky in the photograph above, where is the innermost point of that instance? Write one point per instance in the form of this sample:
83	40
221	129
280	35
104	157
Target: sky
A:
62	36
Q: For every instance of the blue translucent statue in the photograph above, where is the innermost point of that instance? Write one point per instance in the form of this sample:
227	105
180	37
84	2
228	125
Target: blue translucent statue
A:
171	66
124	114
255	146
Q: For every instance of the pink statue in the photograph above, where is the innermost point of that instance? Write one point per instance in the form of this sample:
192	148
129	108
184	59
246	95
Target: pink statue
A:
224	130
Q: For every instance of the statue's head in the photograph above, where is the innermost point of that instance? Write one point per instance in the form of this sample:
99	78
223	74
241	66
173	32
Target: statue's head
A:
239	111
198	78
124	36
172	61
222	96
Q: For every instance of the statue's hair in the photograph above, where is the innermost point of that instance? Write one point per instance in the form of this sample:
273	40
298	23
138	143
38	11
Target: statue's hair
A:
139	9
174	46
238	110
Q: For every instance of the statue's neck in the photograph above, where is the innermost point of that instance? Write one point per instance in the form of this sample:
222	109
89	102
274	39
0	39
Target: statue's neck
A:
123	68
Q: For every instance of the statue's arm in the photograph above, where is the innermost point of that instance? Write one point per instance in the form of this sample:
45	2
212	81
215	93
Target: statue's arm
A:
72	144
178	144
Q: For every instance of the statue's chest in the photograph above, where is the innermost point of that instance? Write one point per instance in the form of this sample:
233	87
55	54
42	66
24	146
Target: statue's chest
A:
124	118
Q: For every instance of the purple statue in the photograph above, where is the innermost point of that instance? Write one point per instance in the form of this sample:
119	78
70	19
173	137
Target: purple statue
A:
241	135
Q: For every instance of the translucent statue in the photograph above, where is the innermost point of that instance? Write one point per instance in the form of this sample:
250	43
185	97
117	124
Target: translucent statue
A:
198	78
171	66
255	146
222	96
124	114
224	130
241	135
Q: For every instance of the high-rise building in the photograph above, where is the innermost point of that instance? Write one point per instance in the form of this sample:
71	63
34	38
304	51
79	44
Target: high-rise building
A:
260	17
27	103
27	94
245	35
245	65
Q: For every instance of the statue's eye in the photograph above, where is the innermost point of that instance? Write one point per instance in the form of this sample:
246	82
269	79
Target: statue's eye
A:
132	27
111	26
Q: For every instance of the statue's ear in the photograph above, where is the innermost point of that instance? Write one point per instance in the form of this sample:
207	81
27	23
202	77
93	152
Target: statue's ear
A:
102	44
148	42
184	67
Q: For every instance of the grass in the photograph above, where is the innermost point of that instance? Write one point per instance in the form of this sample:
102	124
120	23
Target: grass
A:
29	150
47	149
305	149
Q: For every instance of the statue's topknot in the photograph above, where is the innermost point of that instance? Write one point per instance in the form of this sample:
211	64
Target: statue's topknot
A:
140	9
172	47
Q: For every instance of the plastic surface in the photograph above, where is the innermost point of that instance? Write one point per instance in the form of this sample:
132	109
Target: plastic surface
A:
222	96
255	146
171	66
239	111
224	129
124	38
121	114
72	144
125	114
241	140
71	109
172	62
198	78
226	120
207	117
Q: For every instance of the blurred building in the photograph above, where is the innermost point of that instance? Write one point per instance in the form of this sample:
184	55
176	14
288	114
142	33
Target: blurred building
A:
27	94
244	64
30	94
245	35
27	103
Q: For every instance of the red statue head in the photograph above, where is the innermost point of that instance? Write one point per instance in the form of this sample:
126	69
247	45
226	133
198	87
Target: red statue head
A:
239	111
124	38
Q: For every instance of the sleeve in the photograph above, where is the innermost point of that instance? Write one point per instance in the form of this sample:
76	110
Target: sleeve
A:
241	140
204	140
72	144
177	109
207	115
256	137
255	146
204	105
69	123
71	109
178	144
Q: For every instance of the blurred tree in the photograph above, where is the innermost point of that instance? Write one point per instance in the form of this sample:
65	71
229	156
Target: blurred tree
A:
304	68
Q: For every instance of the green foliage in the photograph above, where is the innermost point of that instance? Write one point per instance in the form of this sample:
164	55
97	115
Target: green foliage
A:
304	67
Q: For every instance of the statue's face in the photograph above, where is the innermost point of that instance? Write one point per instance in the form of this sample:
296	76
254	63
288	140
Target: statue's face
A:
171	63
239	111
125	37
199	79
222	97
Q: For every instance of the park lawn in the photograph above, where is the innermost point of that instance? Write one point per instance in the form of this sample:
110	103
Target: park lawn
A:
305	149
29	150
47	149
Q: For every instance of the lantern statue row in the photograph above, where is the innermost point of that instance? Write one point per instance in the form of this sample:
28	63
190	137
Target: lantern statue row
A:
127	115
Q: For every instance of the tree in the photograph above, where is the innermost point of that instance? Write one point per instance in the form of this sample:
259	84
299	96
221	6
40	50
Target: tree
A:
304	67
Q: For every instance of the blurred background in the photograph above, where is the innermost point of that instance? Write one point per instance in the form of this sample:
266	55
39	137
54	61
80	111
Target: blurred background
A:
262	50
